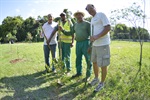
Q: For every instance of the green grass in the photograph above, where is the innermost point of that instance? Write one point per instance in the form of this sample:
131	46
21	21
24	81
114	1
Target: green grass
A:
24	79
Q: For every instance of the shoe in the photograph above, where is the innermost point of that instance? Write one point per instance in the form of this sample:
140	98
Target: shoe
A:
44	72
86	79
99	87
94	81
68	73
59	83
76	75
54	71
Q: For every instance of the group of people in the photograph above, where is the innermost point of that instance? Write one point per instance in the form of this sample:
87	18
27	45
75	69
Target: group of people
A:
92	41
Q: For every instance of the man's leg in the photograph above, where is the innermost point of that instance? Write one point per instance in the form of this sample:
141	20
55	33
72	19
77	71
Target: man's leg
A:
62	53
67	52
53	53
103	76
78	60
85	46
46	56
95	66
96	73
96	69
104	61
104	73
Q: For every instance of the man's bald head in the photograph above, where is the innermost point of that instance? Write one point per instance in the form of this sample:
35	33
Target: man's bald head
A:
89	6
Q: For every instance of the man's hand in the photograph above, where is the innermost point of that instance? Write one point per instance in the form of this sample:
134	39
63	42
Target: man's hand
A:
48	41
72	44
60	28
89	50
93	38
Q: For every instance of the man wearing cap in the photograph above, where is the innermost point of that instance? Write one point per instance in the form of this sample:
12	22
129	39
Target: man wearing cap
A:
100	48
47	29
66	39
82	35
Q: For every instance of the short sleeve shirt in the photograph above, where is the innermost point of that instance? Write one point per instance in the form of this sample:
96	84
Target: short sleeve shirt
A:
98	22
82	31
48	29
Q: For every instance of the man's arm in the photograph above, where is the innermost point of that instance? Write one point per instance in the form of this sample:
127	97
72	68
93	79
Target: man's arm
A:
72	43
53	33
104	32
42	32
65	32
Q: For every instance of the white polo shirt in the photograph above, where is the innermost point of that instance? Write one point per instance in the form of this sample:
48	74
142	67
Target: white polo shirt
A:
99	21
48	29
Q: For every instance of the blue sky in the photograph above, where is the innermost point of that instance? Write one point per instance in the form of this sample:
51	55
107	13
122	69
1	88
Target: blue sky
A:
26	8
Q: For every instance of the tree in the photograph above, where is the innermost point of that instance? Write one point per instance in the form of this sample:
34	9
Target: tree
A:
135	15
29	25
10	25
9	37
68	15
121	31
88	19
29	37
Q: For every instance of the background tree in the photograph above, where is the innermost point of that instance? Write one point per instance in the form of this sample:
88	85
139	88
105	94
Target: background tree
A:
135	15
10	25
121	31
68	15
88	19
29	25
29	37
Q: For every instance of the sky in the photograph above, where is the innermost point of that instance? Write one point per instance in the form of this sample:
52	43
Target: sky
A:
34	8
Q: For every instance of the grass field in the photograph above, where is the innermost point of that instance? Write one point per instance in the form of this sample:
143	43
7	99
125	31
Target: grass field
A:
22	78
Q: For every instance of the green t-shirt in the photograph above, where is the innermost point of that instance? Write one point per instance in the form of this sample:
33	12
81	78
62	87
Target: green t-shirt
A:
82	31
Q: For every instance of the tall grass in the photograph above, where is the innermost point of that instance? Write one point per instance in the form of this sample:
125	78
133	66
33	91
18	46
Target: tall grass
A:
22	66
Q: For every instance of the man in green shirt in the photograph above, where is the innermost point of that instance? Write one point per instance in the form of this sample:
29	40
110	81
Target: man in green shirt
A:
82	33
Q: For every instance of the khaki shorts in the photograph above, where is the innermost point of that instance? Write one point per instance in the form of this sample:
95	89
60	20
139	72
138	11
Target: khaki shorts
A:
101	55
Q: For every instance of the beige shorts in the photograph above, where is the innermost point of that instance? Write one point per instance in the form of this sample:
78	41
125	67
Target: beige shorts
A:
101	55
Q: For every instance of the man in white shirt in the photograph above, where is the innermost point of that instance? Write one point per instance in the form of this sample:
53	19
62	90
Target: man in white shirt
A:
100	56
47	30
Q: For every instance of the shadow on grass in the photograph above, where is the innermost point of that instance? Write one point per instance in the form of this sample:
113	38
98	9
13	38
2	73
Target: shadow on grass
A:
31	86
39	86
75	90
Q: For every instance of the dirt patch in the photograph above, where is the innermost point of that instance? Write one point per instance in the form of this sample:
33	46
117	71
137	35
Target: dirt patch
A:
15	61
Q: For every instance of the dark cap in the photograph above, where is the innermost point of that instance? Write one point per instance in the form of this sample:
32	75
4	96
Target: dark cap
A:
63	14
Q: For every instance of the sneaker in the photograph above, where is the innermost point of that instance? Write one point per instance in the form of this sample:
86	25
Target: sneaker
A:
44	72
68	73
76	75
54	71
94	81
99	87
86	79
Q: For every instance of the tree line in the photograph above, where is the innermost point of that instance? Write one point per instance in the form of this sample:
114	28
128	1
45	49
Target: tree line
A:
121	31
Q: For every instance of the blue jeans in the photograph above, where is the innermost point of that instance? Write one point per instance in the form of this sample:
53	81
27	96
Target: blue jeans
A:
47	52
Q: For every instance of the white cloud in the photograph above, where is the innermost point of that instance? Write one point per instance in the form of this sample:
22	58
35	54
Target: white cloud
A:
17	10
38	1
32	13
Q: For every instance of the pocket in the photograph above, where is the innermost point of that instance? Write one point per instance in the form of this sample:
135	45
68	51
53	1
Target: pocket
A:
106	56
106	60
